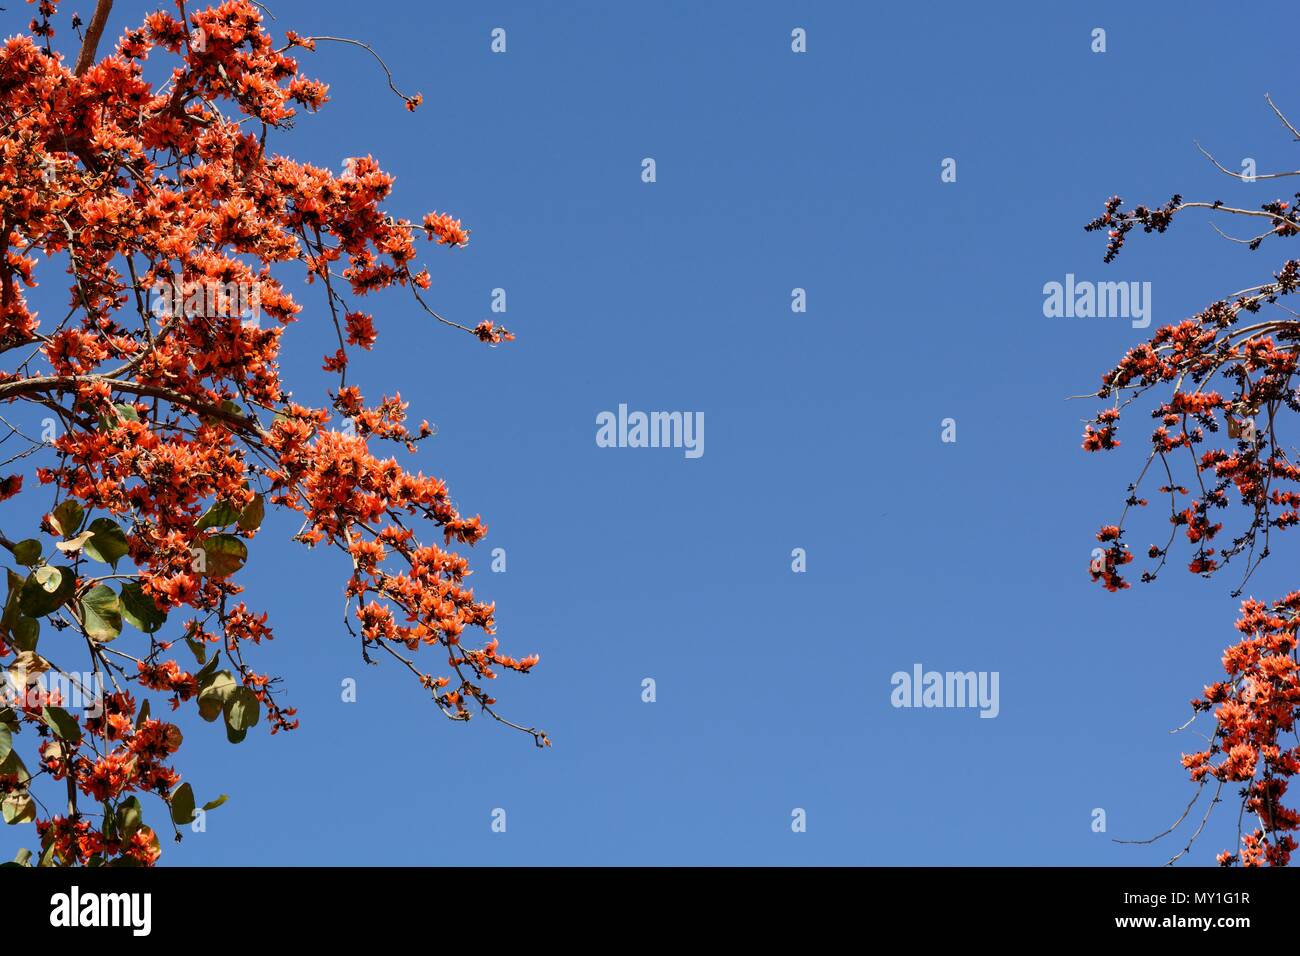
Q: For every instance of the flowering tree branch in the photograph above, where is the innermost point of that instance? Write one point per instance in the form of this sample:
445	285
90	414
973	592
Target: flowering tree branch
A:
1230	367
172	433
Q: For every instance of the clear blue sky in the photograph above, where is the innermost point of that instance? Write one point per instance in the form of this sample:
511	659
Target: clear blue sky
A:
775	171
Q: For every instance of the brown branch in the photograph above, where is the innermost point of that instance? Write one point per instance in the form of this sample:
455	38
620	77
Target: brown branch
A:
98	20
369	49
1282	116
15	388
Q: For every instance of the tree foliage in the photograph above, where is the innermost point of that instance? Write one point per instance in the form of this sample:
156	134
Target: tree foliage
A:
173	434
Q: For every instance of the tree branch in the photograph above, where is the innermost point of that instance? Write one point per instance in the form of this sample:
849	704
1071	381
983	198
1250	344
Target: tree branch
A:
15	388
98	20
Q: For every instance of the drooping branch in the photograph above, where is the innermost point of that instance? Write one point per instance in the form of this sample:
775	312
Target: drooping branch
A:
1220	368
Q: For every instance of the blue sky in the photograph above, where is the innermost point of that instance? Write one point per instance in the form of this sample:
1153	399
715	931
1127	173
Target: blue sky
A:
775	170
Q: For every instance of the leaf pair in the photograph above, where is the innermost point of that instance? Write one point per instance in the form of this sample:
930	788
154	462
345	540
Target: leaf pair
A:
220	694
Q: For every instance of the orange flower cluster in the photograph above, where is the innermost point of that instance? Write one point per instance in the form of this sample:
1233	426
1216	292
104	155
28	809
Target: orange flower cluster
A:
1255	708
73	841
134	764
447	229
1252	465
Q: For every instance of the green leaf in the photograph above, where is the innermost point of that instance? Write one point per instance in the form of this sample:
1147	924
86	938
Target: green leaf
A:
242	709
63	724
23	857
109	828
198	649
28	552
12	766
218	516
144	714
101	613
235	736
183	804
139	608
11	602
107	541
46	590
26	665
213	804
6	744
225	554
251	518
212	697
129	817
67	517
207	670
26	631
121	412
18	807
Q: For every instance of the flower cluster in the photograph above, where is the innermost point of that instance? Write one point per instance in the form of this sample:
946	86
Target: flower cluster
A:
1255	708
